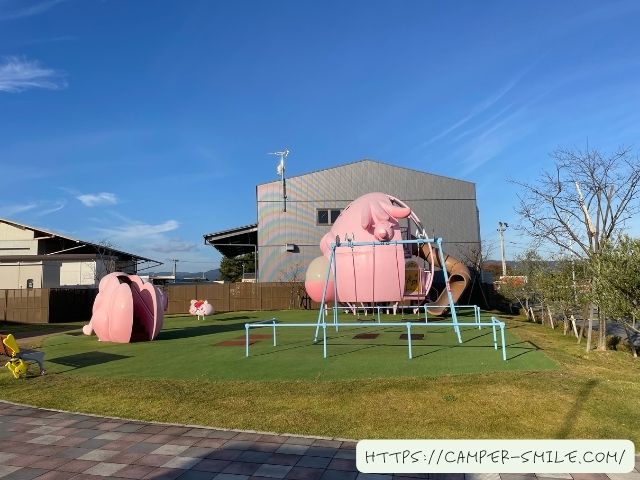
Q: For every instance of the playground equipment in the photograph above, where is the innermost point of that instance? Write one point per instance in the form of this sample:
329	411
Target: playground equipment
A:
383	264
274	324
18	363
126	310
200	308
379	261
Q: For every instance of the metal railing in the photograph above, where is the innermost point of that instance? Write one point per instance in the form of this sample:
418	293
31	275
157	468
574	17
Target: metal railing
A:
274	324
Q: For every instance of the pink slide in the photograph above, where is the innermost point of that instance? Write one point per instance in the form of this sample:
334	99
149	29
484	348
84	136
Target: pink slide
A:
126	310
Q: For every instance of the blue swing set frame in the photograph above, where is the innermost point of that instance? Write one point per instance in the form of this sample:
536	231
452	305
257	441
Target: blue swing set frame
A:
322	320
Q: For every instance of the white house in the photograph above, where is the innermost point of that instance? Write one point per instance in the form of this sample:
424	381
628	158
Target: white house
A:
31	257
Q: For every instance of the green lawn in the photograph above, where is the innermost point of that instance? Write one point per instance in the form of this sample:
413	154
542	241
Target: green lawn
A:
190	349
549	387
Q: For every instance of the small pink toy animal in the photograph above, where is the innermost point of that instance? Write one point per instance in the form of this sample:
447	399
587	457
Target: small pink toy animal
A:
201	308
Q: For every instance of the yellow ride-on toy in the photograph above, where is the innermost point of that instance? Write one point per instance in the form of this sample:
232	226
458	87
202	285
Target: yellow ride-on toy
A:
18	363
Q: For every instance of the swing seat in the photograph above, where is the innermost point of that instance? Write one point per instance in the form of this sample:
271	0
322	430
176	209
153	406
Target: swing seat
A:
18	359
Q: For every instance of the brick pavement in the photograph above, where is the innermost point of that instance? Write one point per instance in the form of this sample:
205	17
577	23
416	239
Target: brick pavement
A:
50	445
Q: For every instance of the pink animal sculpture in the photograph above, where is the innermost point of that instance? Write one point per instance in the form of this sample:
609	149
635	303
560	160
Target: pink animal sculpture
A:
364	273
126	310
201	308
379	273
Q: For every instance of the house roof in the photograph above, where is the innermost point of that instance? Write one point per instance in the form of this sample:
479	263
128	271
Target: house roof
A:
234	241
367	160
41	233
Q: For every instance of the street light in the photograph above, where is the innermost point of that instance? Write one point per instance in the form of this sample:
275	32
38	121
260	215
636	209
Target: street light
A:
502	226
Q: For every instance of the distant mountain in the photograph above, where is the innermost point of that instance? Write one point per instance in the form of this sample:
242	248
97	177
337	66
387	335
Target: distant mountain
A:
209	274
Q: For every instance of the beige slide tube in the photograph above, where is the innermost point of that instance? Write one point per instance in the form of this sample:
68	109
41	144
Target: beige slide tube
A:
459	277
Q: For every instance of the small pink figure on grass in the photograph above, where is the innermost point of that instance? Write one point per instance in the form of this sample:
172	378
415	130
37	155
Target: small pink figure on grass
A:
201	308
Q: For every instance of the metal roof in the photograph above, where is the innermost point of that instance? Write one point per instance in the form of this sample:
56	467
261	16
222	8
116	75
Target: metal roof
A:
47	233
234	241
368	160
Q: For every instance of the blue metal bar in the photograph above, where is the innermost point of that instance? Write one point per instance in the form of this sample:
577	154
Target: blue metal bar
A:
391	242
321	316
495	339
264	321
274	333
452	306
408	325
381	324
324	340
476	311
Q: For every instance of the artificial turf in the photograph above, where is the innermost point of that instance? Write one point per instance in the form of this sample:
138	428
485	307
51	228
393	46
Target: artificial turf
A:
214	349
578	395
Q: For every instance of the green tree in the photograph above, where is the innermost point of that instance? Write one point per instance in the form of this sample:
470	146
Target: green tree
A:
521	285
232	268
563	287
617	284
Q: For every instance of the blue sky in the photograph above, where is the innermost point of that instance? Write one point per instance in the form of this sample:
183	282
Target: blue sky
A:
147	123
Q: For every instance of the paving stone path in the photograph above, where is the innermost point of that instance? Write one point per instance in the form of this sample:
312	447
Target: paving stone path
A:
51	445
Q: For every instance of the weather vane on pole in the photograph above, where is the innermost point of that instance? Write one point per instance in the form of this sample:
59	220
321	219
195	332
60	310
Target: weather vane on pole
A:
280	170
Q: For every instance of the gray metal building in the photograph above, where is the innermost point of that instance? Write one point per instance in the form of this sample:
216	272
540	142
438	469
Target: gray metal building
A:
286	242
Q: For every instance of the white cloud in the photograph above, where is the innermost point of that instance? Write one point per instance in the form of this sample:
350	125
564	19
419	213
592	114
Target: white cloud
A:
18	74
10	210
142	231
174	246
55	207
28	10
482	107
98	199
38	209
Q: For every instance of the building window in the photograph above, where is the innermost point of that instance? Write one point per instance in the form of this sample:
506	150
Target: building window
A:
328	216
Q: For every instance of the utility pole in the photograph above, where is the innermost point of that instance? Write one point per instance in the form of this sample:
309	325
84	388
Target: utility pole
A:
175	264
502	226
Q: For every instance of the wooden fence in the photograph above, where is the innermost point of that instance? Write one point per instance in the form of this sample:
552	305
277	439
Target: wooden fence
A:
54	305
43	305
233	297
25	306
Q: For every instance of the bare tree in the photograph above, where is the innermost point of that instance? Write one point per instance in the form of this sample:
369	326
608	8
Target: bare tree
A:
581	204
294	276
475	258
106	262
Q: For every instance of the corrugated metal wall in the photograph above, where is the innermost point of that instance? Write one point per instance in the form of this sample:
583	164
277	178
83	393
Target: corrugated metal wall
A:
446	207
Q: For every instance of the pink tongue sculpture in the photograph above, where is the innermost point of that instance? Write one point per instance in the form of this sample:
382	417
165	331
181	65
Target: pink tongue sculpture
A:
126	310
